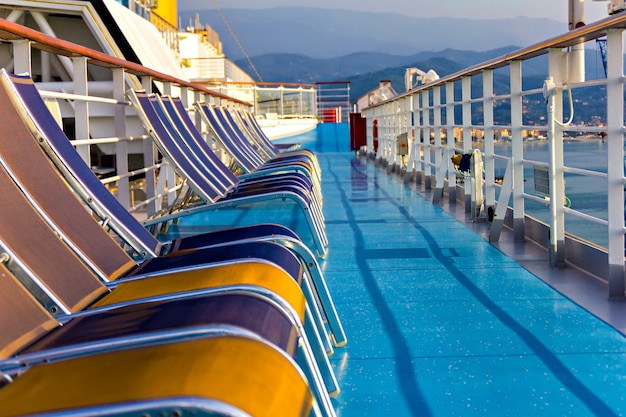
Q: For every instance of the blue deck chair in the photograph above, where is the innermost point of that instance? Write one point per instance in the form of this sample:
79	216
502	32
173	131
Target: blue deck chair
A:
192	143
229	118
240	149
192	138
184	163
256	152
29	167
30	335
266	150
34	252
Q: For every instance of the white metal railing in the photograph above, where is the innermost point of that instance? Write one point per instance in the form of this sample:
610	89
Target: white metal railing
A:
270	100
441	118
102	120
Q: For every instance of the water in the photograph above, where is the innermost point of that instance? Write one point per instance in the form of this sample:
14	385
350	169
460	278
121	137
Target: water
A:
585	194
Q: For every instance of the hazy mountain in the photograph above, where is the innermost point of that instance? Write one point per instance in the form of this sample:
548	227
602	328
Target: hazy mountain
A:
303	69
323	33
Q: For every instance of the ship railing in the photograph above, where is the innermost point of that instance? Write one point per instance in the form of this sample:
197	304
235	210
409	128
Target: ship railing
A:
99	119
574	207
272	100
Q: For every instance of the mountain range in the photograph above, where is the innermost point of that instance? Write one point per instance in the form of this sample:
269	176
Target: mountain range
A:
364	70
324	33
307	45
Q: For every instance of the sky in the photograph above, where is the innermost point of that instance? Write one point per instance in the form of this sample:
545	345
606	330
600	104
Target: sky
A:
472	9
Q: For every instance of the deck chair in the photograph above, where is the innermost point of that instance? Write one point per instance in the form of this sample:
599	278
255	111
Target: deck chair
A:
193	145
222	376
29	335
109	261
247	158
29	167
266	148
64	284
185	165
232	371
257	152
196	144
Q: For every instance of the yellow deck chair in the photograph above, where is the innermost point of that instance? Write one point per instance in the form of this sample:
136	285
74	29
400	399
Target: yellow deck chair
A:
229	372
29	335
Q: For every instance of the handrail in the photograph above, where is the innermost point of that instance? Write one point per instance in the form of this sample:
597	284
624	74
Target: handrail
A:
259	83
573	37
14	31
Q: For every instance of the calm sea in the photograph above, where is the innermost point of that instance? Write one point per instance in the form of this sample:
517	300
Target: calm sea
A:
585	194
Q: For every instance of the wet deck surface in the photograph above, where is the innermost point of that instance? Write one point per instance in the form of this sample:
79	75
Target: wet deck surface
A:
440	322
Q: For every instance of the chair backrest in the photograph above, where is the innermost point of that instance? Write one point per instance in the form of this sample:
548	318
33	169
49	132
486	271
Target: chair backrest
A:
25	98
193	140
165	138
180	108
22	319
237	139
252	134
32	170
253	125
35	249
244	135
224	136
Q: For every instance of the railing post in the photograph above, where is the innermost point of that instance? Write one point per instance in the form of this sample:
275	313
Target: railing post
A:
22	56
45	67
383	136
615	163
466	97
428	178
121	147
413	148
419	128
517	151
557	71
400	126
450	141
81	108
490	165
149	158
439	166
167	175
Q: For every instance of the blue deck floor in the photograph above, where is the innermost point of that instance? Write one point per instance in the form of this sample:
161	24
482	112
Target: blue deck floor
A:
442	323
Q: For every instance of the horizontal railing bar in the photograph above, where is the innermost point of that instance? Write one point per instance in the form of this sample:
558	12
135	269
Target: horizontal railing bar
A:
77	142
585	216
156	197
78	97
129	174
585	172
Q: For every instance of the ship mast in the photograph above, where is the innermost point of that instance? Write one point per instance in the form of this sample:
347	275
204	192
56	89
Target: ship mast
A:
576	60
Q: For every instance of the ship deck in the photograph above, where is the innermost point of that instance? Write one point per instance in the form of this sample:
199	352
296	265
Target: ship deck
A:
442	323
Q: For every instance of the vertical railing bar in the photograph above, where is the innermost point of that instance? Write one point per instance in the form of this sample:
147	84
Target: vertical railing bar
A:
615	162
